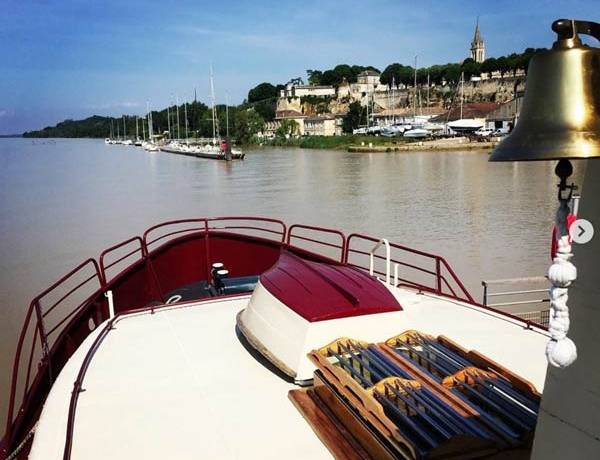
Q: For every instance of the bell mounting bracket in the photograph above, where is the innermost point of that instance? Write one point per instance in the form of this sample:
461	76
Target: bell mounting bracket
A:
563	170
569	28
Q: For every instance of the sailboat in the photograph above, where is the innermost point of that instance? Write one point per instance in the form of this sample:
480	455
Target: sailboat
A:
125	140
464	125
110	140
218	149
138	141
417	129
149	146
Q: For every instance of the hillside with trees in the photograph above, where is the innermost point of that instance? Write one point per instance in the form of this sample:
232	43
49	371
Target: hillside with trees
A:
244	122
400	74
337	75
249	117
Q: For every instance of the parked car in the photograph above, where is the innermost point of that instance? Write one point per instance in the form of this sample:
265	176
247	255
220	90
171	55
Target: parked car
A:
484	132
500	132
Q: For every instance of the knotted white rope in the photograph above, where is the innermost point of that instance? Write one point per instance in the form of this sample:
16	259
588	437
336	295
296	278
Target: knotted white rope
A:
561	351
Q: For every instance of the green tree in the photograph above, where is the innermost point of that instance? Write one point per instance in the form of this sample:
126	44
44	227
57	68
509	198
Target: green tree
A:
247	124
314	76
503	65
392	75
356	112
470	68
489	65
452	73
330	77
266	109
344	72
261	92
287	128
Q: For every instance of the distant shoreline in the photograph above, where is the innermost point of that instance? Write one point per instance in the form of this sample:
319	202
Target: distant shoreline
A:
374	144
350	143
421	146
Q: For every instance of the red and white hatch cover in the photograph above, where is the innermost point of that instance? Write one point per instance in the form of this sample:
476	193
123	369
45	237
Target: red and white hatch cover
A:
298	304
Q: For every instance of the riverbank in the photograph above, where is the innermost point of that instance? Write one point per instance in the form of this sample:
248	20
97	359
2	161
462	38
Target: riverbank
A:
329	142
457	143
371	144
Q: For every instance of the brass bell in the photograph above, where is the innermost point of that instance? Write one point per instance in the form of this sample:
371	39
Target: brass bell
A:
560	115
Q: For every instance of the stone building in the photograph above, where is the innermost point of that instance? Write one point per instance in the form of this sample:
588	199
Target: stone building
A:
292	90
368	77
477	46
506	115
321	126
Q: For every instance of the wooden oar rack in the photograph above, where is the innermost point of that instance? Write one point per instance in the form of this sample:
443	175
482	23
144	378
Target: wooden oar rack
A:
417	396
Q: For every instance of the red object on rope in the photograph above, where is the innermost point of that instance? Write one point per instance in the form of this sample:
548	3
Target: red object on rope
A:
571	218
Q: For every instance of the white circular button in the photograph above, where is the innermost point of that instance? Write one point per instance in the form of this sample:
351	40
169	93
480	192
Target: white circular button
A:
581	231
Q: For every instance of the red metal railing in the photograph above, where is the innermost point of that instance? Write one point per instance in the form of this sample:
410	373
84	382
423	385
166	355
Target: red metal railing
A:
279	232
41	335
442	280
202	226
450	285
103	256
317	231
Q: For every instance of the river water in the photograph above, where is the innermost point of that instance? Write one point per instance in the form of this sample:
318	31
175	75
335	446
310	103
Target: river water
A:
65	200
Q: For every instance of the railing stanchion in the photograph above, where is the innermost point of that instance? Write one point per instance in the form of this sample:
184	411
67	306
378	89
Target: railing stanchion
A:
438	274
207	251
388	267
485	293
111	304
43	337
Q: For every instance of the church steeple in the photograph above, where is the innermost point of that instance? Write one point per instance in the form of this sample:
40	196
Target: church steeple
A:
477	45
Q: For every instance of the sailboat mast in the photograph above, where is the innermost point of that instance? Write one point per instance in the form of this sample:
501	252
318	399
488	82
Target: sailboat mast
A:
227	114
415	90
427	89
177	101
186	121
124	128
143	129
462	92
169	121
212	98
149	121
118	137
367	110
393	100
137	129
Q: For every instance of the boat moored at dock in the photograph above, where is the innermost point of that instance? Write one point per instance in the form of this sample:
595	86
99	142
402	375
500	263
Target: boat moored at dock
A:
210	151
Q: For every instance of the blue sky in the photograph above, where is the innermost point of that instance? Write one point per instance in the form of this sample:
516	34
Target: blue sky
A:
76	58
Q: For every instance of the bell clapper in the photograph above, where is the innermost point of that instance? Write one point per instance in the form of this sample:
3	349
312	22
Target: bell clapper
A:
561	351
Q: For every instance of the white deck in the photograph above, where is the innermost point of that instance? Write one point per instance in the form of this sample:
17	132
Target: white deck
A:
179	384
175	385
